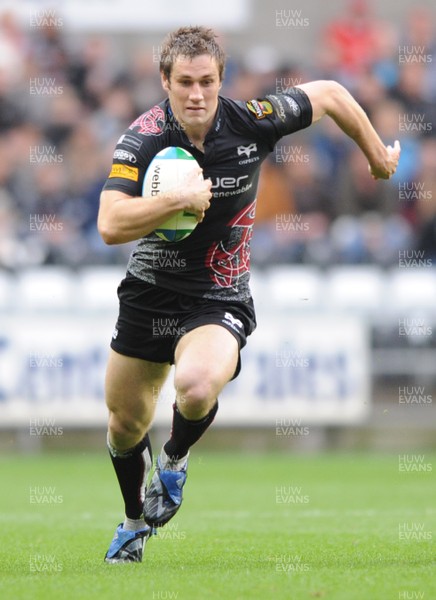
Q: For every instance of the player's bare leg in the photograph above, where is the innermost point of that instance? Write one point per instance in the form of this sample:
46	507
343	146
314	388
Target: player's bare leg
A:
206	359
132	387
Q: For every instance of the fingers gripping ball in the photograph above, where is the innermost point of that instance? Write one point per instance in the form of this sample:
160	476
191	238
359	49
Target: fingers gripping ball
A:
167	171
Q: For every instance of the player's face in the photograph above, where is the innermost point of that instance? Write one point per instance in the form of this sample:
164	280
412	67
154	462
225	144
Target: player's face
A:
192	90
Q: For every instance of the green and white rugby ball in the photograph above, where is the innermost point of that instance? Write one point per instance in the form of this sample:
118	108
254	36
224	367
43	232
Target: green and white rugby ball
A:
167	171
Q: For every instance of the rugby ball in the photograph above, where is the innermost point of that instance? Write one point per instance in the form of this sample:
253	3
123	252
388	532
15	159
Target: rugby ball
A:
166	171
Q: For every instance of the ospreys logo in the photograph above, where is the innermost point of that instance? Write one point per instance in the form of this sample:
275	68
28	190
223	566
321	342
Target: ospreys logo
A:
247	150
230	320
260	108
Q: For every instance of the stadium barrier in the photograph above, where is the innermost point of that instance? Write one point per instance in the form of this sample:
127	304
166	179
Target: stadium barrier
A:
310	369
310	360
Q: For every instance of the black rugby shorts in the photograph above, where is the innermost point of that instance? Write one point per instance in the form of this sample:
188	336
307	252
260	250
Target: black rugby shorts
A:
152	320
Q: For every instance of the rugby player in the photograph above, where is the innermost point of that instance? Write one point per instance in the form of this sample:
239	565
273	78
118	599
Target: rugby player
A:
206	291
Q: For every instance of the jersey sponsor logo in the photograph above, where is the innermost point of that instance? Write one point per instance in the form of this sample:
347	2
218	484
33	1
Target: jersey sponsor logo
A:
124	155
260	108
226	187
227	183
229	260
124	172
293	105
129	140
281	113
151	122
247	150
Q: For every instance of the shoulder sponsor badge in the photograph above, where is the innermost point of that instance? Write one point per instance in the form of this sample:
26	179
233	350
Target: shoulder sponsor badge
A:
125	172
293	106
260	108
124	155
129	140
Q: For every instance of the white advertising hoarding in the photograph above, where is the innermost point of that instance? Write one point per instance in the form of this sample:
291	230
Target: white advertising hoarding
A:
129	15
311	368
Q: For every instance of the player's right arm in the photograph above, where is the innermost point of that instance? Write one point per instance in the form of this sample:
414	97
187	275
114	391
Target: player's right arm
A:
123	218
332	99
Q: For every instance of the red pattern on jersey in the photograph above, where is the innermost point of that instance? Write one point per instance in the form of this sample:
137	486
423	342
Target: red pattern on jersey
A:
228	261
151	122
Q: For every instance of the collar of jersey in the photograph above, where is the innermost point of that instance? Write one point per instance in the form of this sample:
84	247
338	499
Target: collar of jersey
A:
216	125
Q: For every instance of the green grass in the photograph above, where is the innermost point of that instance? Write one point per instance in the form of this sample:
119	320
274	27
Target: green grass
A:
242	533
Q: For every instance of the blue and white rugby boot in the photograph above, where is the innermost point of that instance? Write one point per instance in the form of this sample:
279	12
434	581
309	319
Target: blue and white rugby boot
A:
128	546
164	494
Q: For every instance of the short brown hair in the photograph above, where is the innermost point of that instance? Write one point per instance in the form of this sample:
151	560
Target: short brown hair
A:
191	42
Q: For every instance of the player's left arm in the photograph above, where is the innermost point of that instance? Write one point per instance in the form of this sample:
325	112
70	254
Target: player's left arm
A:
332	99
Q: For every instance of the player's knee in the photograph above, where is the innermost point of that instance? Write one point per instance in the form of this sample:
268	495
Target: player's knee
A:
196	393
123	426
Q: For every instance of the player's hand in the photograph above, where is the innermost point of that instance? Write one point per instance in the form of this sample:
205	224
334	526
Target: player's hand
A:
386	169
196	194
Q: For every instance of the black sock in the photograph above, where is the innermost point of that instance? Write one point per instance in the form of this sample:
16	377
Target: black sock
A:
132	467
185	433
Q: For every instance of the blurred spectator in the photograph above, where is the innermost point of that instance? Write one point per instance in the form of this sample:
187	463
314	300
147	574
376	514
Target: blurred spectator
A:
351	43
13	50
91	71
145	79
423	195
316	201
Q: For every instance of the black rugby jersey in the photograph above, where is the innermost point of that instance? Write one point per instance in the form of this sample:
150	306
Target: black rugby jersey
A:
214	261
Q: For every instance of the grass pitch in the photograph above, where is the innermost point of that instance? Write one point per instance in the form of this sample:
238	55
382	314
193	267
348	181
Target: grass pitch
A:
337	527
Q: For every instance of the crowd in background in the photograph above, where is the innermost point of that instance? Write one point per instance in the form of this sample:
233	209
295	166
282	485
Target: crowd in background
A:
62	109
